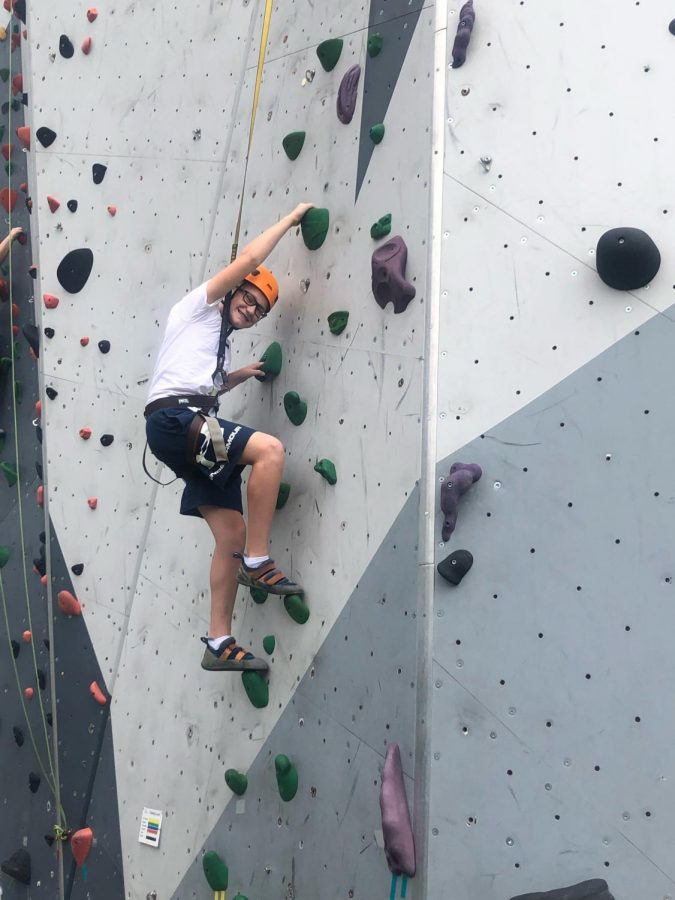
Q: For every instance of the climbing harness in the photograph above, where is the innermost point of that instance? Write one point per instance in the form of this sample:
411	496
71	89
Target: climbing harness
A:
211	431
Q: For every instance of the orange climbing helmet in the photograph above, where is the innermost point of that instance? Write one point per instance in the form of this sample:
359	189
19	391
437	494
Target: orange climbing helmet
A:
263	279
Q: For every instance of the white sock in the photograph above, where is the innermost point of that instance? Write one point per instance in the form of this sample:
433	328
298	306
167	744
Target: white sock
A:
216	643
253	561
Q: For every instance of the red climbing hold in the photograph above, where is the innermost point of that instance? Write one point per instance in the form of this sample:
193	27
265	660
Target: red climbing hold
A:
27	636
86	46
80	844
69	604
38	407
40	496
51	302
15	310
8	198
84	341
24	187
112	210
85	433
4	292
97	694
17	84
93	502
53	203
16	41
92	13
28	693
7	150
23	134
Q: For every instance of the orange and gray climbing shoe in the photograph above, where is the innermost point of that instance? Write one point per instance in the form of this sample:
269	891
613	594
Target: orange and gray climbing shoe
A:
230	658
267	577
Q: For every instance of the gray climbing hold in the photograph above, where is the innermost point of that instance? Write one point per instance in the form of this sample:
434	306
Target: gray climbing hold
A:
462	476
467	18
347	94
388	279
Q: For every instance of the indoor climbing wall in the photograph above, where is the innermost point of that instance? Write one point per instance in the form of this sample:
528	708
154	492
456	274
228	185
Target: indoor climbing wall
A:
136	195
550	759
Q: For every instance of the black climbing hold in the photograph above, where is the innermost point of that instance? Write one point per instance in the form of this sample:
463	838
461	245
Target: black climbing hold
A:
329	53
46	136
671	27
18	866
18	736
49	838
51	393
38	434
594	889
98	171
43	537
74	269
42	679
107	439
19	10
388	275
454	567
627	258
104	346
33	782
66	48
467	18
49	718
16	648
32	335
72	205
40	565
347	94
38	469
45	641
49	332
77	569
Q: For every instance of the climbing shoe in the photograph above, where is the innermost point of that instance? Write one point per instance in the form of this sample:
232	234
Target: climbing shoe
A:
230	658
267	577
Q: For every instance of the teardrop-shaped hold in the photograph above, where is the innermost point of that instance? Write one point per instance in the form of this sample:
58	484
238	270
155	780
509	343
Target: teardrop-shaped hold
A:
271	359
92	14
337	321
347	94
34	782
74	269
46	136
86	46
256	688
98	171
297	609
296	409
53	203
314	226
80	844
68	604
258	595
627	258
104	346
375	43
287	777
326	468
377	133
269	643
215	870
107	439
23	134
236	781
329	53
381	228
72	205
293	144
66	48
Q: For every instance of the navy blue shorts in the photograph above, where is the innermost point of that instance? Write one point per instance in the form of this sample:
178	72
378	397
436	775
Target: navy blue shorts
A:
166	431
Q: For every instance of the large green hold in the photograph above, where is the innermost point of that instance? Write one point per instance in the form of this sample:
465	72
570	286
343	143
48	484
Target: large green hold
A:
337	321
256	688
10	473
293	144
326	468
329	53
296	409
296	608
269	643
237	783
287	777
4	74
377	133
282	496
375	42
381	228
314	227
4	556
271	360
215	871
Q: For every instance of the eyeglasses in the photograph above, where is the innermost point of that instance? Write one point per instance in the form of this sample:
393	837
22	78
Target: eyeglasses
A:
249	300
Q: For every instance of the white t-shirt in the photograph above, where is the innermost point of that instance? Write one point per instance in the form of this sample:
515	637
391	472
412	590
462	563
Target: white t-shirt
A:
189	350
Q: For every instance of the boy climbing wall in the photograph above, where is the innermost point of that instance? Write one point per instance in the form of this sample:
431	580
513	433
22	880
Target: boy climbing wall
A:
209	453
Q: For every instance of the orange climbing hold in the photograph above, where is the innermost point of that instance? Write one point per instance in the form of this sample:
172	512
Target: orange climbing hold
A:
84	341
97	694
86	46
17	84
85	433
53	203
23	134
112	210
93	502
51	302
7	150
69	604
16	41
80	844
28	693
92	13
24	187
15	310
27	636
40	496
38	407
16	330
8	198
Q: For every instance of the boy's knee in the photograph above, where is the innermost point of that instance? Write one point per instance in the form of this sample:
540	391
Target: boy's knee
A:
271	448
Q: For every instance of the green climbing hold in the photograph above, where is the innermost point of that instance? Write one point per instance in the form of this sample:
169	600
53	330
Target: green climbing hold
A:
215	871
326	468
314	227
256	688
240	897
5	365
258	595
296	409
282	497
269	643
329	53
377	133
10	473
4	74
4	556
10	167
293	144
375	42
271	360
18	391
337	321
287	777
237	783
296	608
381	228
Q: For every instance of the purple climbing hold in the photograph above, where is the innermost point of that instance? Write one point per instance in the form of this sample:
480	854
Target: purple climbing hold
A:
399	843
389	284
462	476
346	101
467	17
